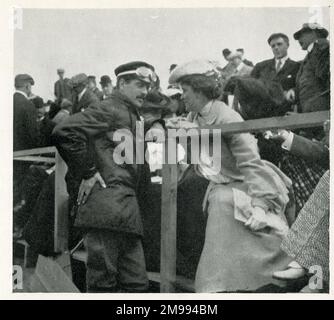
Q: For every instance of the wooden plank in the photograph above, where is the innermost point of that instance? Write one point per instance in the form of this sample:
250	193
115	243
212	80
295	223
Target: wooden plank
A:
302	120
168	226
61	207
180	282
35	159
31	152
53	275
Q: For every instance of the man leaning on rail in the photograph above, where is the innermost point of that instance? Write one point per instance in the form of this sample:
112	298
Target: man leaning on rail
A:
111	196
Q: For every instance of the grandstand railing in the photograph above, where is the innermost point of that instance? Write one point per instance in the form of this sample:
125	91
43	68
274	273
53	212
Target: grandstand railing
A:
168	278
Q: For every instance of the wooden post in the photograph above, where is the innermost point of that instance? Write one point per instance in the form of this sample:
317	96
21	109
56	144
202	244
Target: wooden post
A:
168	225
61	207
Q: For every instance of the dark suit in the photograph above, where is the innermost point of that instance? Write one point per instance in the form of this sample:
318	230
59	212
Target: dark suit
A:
313	79
311	150
26	132
266	71
25	136
88	98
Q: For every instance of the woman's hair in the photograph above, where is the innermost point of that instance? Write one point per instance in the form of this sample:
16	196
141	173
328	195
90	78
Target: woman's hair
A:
208	86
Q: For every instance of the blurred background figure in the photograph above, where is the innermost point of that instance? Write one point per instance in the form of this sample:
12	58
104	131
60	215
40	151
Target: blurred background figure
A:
245	61
61	87
83	96
92	86
106	86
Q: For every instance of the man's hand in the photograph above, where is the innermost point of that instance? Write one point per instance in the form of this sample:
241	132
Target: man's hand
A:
179	122
257	220
280	136
290	95
87	186
156	133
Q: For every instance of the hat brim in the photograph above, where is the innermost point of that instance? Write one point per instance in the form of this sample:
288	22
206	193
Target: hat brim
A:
323	33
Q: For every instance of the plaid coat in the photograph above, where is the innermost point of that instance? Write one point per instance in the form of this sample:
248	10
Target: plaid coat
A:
308	238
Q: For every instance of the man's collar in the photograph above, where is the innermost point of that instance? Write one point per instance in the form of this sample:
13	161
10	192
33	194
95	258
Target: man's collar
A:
80	95
310	47
21	92
283	60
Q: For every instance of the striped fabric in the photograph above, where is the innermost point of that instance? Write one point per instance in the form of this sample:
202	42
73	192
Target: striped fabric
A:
308	239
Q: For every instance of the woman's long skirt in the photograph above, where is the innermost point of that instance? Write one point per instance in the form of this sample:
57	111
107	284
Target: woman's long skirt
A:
234	258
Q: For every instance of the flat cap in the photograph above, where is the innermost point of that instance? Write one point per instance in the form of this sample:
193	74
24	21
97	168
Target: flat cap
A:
61	70
78	79
105	80
322	32
22	79
203	67
91	78
133	67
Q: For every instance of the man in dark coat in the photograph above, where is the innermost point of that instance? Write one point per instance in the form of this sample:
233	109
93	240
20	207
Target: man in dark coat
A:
110	211
26	132
277	76
83	96
269	91
313	78
61	88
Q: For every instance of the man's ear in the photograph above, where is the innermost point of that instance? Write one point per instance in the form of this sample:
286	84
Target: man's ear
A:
121	83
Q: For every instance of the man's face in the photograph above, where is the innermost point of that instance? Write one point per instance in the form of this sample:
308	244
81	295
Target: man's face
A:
107	89
135	90
190	98
91	85
61	74
279	47
306	38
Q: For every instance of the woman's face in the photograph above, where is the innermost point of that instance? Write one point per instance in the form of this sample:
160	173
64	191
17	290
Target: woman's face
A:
192	99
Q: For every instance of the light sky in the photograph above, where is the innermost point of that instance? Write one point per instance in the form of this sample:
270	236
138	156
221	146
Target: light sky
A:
97	41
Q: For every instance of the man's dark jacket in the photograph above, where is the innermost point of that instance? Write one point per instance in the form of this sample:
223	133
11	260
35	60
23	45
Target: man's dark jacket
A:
286	77
262	94
118	206
26	130
88	98
313	79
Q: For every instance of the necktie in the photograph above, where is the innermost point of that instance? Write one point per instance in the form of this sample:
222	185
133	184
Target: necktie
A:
279	65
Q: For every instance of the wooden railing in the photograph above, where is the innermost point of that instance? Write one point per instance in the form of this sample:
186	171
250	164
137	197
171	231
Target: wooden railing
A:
168	278
61	196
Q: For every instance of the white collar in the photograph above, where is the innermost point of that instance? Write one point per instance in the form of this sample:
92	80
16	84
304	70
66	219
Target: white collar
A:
240	66
81	94
21	92
283	60
310	47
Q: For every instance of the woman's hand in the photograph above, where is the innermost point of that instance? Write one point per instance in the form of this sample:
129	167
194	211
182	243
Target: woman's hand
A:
177	123
257	220
86	187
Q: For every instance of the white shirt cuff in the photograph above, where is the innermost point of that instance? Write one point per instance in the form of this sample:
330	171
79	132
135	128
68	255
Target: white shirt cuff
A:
286	145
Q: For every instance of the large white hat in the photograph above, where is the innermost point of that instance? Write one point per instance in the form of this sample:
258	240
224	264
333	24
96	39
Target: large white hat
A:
204	67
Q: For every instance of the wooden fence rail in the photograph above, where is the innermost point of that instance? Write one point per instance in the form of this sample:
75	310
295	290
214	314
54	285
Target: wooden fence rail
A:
168	277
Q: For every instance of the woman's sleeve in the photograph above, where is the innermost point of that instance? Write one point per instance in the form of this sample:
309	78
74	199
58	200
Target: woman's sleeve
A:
262	182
